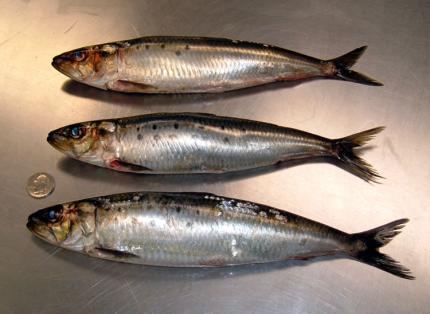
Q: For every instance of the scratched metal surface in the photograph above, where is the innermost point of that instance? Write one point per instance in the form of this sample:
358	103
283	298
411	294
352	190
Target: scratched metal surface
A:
36	277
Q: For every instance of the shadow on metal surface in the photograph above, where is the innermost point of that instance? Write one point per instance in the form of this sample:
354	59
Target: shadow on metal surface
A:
86	91
153	274
94	173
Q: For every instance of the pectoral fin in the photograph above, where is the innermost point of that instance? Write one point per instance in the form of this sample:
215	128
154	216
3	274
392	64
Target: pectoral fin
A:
127	167
130	87
111	254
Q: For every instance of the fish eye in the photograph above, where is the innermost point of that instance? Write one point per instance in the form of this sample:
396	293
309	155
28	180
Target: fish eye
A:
52	214
77	131
78	55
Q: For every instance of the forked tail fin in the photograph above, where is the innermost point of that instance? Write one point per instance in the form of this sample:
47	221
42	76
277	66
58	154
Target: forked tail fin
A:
343	149
376	238
343	64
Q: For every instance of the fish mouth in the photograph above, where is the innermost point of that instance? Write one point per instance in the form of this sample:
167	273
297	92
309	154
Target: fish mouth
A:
32	224
58	63
56	140
64	65
52	138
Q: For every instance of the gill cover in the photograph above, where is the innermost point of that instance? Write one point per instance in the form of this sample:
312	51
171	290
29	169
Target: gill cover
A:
70	225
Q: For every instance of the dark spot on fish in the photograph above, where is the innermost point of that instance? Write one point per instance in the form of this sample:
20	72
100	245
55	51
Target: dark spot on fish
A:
197	212
177	52
222	127
176	126
303	242
201	127
163	46
154	126
244	130
137	47
149	206
178	209
156	137
187	47
139	136
102	132
146	46
138	128
105	54
189	224
226	140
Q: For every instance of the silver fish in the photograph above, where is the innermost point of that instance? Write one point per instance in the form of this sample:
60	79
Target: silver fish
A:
202	230
167	64
201	143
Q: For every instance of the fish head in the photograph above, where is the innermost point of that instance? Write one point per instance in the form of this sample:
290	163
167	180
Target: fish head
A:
91	142
69	225
95	65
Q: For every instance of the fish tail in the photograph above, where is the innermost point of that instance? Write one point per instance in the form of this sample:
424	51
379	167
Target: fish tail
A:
374	239
343	64
343	149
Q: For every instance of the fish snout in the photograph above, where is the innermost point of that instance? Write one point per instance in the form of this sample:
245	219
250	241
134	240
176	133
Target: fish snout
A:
57	62
67	66
56	140
32	222
51	137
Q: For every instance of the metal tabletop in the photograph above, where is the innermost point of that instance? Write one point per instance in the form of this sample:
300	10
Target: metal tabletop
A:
35	98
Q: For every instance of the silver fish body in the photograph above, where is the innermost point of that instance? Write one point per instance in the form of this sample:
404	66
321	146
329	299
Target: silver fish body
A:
206	230
199	143
190	230
169	64
163	65
202	143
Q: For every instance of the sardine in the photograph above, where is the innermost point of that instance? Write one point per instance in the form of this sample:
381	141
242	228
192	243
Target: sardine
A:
183	143
202	230
167	64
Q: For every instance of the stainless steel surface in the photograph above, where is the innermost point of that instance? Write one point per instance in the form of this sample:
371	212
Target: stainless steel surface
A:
37	277
40	185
